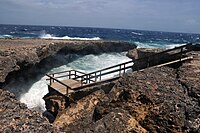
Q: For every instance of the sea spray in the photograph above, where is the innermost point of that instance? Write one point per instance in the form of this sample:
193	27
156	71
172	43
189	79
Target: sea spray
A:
88	63
44	35
157	45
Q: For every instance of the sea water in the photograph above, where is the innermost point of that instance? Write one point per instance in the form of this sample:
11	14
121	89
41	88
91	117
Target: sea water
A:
31	90
37	88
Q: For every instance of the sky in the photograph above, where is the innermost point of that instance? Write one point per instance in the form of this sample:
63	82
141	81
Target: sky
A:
156	15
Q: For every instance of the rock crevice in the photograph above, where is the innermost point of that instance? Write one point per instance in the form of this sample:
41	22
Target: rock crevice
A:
18	54
151	100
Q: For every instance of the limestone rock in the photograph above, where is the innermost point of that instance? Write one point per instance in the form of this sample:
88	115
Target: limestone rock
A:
19	54
142	52
156	100
117	121
16	117
152	100
77	116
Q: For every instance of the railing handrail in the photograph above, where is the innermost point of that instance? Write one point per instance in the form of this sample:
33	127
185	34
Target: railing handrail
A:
132	61
58	81
120	67
66	72
113	71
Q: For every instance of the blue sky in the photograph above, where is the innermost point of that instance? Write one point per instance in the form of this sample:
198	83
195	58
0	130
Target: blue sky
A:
160	15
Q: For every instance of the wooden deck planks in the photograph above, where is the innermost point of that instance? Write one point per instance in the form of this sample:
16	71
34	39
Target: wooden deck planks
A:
61	86
69	82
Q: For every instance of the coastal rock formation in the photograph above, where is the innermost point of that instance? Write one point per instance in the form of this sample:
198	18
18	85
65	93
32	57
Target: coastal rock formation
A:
142	52
16	117
17	54
147	101
160	99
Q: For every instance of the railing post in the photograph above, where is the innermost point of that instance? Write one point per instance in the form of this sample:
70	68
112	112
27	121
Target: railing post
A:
120	67
81	80
69	74
124	68
95	74
89	78
67	90
100	75
50	81
53	76
75	73
85	79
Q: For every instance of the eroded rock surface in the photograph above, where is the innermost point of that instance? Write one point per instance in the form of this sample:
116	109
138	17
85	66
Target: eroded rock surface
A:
16	117
142	52
153	100
16	54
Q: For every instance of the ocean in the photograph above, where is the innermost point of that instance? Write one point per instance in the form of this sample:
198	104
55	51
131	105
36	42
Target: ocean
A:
140	37
33	89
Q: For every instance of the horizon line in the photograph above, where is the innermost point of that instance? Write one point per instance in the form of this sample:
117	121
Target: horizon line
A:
112	28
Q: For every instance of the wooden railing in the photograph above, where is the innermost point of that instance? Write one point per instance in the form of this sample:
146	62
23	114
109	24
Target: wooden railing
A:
70	74
57	77
138	64
97	76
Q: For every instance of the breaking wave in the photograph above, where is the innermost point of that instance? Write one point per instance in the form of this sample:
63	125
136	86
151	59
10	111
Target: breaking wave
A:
157	45
170	46
135	33
87	63
6	36
49	36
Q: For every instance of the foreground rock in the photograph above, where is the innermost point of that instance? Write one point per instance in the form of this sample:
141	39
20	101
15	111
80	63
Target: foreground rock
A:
16	117
17	54
153	100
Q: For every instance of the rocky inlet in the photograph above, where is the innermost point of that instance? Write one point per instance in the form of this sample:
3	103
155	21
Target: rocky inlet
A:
24	56
163	99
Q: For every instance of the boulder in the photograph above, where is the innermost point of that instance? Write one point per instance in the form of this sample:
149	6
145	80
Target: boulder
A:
142	52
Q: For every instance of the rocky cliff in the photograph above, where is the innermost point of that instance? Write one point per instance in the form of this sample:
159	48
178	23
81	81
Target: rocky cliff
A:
160	99
17	54
16	117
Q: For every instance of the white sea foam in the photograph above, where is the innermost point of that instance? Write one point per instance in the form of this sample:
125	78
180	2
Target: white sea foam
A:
148	45
49	36
12	32
88	63
33	98
6	36
170	46
157	45
135	33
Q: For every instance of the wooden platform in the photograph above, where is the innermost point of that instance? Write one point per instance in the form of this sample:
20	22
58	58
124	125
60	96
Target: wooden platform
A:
62	89
76	78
